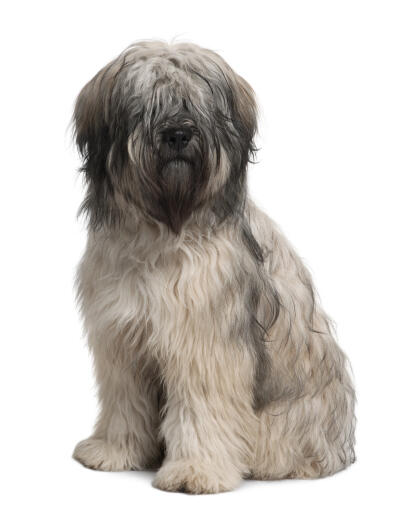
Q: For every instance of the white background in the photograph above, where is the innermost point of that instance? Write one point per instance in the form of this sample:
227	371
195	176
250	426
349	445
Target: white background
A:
325	73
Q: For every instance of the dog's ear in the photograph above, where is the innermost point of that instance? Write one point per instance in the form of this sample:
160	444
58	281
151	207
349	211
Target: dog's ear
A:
99	136
91	129
241	104
91	132
245	110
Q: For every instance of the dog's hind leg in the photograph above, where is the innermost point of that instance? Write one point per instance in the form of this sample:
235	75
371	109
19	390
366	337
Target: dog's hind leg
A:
307	438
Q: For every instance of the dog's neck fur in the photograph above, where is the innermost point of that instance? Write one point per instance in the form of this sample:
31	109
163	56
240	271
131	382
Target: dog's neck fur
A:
139	227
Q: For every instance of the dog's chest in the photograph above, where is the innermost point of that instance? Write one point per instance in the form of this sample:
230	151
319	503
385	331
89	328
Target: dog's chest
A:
171	291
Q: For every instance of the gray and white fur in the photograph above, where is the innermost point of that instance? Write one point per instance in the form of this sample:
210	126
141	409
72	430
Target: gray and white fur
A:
214	360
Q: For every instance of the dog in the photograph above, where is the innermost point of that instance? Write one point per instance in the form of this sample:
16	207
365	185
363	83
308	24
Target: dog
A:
213	358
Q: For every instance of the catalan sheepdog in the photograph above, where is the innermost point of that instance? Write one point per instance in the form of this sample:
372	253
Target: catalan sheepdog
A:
213	358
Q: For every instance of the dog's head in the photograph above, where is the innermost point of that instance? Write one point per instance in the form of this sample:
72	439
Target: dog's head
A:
168	129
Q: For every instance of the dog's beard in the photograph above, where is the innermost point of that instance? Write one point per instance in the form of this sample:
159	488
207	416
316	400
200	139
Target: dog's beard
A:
178	182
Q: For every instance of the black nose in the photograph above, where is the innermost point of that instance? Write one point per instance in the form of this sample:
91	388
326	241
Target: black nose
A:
177	138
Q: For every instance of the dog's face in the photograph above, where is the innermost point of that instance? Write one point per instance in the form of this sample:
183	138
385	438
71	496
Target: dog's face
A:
168	129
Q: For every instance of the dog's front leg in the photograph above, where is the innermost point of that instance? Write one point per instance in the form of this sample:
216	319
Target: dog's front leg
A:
209	423
126	433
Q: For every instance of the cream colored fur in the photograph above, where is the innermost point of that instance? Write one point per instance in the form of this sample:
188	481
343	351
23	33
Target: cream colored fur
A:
172	381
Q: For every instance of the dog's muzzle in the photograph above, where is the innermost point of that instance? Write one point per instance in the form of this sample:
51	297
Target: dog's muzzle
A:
177	139
176	152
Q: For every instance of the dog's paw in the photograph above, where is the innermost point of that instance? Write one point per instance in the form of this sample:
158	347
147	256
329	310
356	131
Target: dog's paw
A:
98	454
195	477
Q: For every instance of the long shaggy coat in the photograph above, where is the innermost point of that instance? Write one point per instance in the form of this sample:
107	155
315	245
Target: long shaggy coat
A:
214	360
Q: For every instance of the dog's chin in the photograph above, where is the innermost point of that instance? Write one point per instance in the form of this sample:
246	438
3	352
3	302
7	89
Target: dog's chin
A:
177	178
177	168
178	186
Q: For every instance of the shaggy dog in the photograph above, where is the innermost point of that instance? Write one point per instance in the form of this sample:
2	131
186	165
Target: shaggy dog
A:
213	358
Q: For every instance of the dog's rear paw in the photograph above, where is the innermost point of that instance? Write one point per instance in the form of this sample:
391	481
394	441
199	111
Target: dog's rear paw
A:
194	477
98	454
